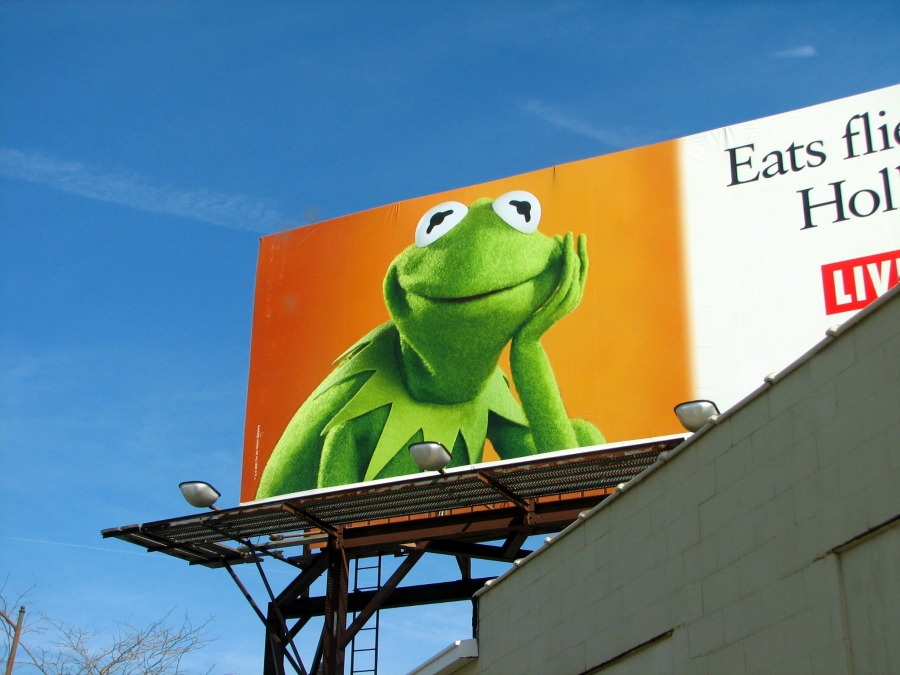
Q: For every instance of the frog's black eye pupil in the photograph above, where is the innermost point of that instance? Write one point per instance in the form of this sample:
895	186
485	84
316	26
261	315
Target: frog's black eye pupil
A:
522	208
438	218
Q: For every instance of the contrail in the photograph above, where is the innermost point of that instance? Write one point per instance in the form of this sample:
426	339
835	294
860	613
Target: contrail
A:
798	52
92	548
234	211
564	120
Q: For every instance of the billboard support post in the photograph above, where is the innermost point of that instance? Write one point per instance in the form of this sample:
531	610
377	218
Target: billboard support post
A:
335	606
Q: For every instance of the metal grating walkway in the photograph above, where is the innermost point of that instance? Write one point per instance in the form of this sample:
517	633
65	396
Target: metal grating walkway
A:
198	538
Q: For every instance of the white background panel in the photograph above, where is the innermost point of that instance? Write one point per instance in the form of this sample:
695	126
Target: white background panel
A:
754	272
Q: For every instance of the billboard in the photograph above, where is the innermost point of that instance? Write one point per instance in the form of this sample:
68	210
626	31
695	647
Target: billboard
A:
570	305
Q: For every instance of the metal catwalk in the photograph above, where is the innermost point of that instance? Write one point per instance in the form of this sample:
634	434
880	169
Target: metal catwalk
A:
449	513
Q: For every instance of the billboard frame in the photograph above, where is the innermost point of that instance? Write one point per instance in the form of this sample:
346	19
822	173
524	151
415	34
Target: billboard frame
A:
504	501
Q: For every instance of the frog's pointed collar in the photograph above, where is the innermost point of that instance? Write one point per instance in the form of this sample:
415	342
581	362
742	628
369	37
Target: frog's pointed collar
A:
438	422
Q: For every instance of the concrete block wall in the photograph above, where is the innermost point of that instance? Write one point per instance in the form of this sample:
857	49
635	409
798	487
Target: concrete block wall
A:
765	545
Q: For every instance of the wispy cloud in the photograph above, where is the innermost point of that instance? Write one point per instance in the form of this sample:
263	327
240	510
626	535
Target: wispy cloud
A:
617	138
796	53
125	188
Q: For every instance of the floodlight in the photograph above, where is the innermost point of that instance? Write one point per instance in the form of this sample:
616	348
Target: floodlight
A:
199	493
430	455
694	414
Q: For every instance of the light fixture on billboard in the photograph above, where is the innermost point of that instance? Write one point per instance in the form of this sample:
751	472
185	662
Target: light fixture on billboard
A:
430	456
200	494
694	414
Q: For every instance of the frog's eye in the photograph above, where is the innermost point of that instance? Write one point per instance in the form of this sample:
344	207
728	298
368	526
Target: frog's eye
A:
520	209
438	221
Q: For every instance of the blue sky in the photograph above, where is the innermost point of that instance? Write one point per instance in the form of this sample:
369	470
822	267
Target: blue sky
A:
144	148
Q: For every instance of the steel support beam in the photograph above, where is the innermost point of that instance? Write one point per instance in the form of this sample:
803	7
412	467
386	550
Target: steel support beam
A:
405	596
334	609
512	547
304	580
463	549
465	566
501	489
484	525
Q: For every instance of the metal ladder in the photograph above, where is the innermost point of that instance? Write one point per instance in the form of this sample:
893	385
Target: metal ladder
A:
364	647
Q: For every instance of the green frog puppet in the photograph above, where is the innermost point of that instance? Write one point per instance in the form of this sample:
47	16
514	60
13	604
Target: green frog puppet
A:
476	279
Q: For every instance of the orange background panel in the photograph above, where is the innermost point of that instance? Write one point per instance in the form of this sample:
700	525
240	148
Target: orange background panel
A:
622	358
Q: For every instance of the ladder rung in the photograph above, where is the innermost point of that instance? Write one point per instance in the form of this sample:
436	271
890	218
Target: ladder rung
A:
373	583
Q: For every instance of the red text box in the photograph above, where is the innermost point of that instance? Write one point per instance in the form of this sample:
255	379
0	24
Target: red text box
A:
853	284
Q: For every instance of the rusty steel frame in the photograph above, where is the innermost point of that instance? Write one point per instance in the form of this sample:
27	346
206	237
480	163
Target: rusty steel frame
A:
456	534
496	511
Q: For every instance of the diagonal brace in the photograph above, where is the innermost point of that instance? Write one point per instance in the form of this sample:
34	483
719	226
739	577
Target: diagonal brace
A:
306	515
304	580
269	628
384	592
285	637
503	490
513	545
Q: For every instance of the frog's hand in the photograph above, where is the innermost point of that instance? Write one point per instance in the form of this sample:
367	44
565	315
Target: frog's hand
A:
513	440
587	434
294	464
567	295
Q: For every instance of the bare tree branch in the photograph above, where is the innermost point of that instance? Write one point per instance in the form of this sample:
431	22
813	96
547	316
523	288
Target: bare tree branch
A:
155	649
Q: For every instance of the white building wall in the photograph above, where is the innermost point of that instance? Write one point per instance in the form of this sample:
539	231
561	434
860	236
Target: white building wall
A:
745	552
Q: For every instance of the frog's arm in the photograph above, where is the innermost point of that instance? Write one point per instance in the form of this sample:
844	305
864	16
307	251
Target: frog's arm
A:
551	427
294	464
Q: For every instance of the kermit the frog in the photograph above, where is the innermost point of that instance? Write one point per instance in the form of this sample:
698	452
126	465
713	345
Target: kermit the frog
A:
476	279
